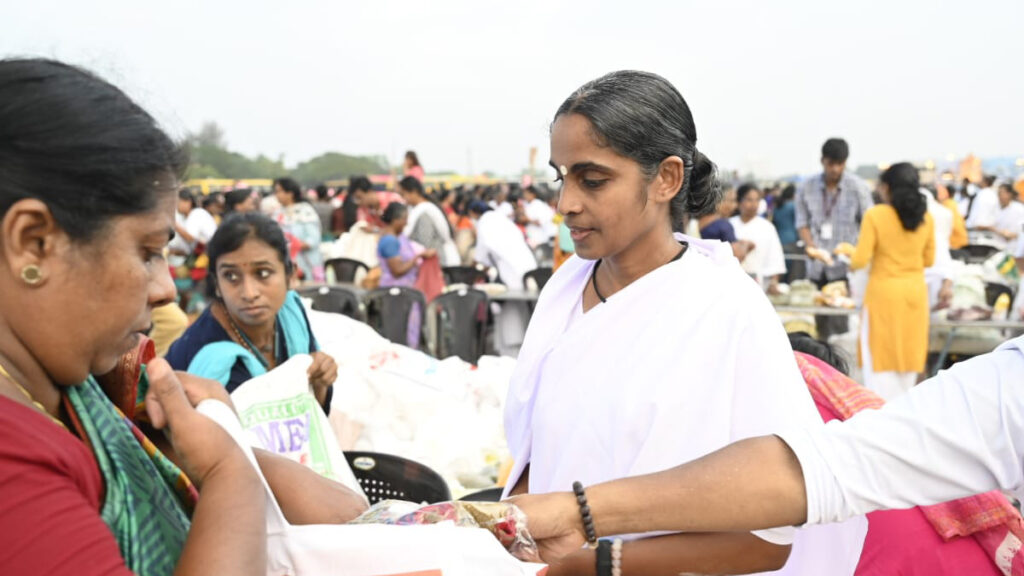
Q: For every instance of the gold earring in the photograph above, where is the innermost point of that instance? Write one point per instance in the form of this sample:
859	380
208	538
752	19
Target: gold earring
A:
31	275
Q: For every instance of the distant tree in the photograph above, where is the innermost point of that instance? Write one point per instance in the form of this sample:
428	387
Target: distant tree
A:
210	158
334	166
210	134
202	171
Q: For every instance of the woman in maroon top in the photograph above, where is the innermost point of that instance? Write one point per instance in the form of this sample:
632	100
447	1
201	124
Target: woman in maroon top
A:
88	185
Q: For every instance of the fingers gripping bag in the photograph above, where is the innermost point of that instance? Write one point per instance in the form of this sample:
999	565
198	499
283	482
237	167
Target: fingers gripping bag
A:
280	414
503	520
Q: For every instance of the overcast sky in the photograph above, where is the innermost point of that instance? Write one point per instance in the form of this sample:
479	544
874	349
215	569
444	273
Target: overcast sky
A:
472	85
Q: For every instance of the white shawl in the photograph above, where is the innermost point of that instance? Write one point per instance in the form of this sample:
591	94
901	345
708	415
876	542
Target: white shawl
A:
767	258
449	252
683	361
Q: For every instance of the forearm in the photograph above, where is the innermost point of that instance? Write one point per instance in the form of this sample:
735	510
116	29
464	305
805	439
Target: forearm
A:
701	495
306	497
228	534
673	554
805	237
401	267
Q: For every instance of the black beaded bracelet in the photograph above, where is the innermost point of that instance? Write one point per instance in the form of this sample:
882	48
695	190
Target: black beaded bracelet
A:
604	558
588	520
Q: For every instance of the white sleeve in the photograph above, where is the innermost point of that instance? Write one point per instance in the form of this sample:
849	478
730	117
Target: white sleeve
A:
201	225
958	434
775	259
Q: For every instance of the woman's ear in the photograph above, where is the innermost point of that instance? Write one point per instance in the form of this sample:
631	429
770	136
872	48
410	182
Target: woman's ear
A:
668	180
30	237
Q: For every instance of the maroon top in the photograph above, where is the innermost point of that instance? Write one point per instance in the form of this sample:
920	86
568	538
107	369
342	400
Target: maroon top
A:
50	496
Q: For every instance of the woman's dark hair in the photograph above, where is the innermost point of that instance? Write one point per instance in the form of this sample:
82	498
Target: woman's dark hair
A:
349	208
411	184
394	211
212	199
234	231
359	184
803	342
744	189
186	194
322	193
643	117
235	197
414	186
81	146
905	194
835	149
787	195
412	157
292	187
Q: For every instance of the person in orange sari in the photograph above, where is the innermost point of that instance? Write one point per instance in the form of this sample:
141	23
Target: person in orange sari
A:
897	238
959	237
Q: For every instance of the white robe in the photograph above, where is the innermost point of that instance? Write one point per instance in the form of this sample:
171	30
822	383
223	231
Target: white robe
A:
500	243
942	267
538	210
767	258
449	252
1010	219
685	360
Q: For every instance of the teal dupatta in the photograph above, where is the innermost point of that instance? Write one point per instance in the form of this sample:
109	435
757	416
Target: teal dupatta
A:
215	360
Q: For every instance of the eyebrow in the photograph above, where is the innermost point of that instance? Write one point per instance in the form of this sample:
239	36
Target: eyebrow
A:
582	167
169	234
221	265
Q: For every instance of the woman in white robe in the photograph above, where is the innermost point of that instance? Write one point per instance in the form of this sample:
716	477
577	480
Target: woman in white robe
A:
428	226
766	261
501	244
649	349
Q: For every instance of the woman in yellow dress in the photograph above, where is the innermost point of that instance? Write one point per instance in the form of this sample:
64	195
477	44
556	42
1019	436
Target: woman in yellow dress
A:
897	239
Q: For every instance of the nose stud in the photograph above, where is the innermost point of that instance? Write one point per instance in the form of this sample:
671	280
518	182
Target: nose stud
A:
563	170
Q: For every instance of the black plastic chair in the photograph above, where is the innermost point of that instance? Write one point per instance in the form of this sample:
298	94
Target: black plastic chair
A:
545	253
388	311
389	477
464	275
538	277
461	322
979	252
993	290
959	254
488	495
336	299
345	269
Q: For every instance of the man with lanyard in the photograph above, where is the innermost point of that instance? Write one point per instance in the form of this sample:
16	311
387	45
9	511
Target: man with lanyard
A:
828	212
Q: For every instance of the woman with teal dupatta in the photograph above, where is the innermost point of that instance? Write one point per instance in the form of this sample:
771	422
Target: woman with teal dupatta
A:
88	186
255	323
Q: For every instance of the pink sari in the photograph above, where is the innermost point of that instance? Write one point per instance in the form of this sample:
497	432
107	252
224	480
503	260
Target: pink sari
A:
979	535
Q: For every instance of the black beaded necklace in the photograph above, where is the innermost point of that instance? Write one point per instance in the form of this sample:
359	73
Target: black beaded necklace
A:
593	274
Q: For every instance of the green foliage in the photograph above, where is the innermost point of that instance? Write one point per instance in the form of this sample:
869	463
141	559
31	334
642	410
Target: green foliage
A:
210	158
335	166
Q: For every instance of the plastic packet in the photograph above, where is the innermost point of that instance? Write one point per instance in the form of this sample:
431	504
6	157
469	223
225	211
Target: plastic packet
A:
505	521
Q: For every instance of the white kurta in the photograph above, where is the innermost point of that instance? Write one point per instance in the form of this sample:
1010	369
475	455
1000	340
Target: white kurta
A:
984	208
539	211
683	361
767	258
955	435
942	267
500	243
1010	219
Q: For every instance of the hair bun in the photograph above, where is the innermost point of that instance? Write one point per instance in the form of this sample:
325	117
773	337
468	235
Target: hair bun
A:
705	190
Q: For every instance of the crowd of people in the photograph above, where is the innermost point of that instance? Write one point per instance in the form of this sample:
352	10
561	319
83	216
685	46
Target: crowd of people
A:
653	368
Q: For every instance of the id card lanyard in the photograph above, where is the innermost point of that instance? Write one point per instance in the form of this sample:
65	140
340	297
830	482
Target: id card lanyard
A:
826	227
